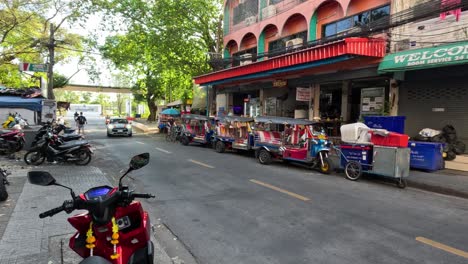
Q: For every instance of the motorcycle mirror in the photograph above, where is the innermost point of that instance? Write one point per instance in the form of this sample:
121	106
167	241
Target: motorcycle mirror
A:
139	161
42	178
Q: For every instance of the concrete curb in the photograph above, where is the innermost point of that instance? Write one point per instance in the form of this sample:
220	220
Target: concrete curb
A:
144	127
436	189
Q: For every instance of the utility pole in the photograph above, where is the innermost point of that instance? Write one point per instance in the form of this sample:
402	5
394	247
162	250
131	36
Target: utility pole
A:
50	72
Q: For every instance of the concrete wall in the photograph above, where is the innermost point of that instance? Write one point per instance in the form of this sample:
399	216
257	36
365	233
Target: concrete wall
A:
25	113
426	33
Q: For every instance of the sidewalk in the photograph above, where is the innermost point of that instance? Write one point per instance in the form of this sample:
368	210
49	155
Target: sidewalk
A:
29	239
448	181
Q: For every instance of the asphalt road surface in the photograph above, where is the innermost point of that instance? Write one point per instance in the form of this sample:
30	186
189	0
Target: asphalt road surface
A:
228	208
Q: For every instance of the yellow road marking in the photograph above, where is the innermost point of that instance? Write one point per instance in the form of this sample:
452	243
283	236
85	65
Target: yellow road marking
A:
295	195
443	247
163	150
201	163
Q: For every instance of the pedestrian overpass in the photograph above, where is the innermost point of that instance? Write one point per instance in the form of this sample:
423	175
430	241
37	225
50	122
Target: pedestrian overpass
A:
94	88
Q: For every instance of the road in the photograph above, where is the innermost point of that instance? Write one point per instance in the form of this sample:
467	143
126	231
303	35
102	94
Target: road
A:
228	208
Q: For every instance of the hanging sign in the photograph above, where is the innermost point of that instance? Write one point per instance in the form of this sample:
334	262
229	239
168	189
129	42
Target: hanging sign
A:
303	94
280	83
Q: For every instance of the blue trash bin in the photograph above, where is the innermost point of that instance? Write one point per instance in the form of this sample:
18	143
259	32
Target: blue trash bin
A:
390	123
426	155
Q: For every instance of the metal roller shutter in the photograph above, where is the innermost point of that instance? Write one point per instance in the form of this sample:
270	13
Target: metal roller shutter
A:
425	93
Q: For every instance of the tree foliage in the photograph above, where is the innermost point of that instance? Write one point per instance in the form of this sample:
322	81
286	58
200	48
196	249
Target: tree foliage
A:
165	44
24	35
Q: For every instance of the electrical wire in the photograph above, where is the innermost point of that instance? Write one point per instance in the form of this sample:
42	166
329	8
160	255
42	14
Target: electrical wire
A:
429	35
84	51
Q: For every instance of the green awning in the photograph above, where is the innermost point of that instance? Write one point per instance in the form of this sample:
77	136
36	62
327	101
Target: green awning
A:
440	56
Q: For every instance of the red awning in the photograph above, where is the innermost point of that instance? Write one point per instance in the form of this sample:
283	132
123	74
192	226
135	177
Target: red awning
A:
349	46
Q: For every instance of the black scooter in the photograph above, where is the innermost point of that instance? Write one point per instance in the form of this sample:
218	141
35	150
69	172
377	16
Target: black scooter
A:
78	152
59	128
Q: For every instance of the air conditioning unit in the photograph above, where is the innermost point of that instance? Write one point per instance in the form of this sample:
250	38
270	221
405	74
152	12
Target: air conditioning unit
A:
402	45
268	11
250	20
242	1
245	59
294	43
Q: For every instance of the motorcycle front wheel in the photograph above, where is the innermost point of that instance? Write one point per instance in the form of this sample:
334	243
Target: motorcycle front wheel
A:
3	191
83	157
19	145
34	157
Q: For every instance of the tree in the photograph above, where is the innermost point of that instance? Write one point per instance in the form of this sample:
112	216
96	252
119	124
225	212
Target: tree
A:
24	34
165	44
67	96
86	98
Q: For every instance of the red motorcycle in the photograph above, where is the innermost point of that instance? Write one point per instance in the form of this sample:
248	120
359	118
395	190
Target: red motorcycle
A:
115	229
11	140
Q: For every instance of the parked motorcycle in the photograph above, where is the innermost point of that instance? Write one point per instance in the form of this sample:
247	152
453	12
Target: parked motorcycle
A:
115	229
3	183
42	132
11	140
78	151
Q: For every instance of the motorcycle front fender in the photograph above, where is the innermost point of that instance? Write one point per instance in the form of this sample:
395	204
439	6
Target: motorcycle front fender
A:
95	260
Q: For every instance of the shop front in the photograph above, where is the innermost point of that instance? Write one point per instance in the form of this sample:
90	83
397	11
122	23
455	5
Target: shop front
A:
322	82
433	87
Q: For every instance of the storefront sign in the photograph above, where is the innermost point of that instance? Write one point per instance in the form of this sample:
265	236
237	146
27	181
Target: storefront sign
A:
302	94
280	83
446	55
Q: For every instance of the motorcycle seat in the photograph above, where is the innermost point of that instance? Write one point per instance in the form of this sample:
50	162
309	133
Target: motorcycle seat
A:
73	144
68	136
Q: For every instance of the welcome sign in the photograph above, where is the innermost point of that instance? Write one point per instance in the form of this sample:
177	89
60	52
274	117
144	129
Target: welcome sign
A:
453	54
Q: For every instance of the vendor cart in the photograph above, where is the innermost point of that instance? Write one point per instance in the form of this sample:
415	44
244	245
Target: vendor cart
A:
387	161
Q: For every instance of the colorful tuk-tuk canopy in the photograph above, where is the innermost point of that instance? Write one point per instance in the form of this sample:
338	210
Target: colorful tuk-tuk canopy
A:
282	120
195	117
236	119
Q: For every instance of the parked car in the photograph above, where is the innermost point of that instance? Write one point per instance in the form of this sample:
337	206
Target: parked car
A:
119	127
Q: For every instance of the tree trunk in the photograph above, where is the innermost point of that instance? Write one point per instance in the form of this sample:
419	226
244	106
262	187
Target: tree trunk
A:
153	108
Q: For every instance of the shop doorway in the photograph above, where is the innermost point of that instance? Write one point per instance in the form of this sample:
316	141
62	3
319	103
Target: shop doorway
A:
240	100
330	101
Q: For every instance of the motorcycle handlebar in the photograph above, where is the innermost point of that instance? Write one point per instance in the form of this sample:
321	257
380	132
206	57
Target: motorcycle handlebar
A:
143	195
52	212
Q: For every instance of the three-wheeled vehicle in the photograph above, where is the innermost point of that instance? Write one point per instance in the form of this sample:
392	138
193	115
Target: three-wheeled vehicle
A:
292	140
196	129
233	133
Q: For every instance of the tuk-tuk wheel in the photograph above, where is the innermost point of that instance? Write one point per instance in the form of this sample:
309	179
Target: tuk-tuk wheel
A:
401	183
185	141
326	168
220	147
264	157
353	170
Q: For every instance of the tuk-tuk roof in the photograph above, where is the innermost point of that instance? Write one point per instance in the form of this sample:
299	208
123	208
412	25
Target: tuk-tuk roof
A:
195	117
283	120
235	119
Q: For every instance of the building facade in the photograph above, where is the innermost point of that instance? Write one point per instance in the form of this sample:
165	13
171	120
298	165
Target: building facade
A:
430	61
321	58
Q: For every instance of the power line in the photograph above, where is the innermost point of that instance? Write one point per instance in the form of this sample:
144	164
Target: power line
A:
428	35
77	50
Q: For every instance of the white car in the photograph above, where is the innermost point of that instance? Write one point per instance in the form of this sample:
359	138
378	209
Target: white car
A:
119	127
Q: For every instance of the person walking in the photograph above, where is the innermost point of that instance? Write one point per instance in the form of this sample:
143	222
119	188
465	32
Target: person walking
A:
81	120
76	115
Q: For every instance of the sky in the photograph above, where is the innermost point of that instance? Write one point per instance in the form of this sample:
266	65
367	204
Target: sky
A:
69	68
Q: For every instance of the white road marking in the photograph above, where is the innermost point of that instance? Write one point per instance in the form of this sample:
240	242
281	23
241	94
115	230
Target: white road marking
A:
140	142
163	150
201	163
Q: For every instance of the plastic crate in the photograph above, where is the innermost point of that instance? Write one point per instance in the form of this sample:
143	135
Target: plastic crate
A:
390	123
391	140
426	155
361	153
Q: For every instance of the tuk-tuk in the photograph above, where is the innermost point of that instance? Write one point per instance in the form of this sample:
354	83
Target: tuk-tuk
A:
292	140
196	129
233	133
